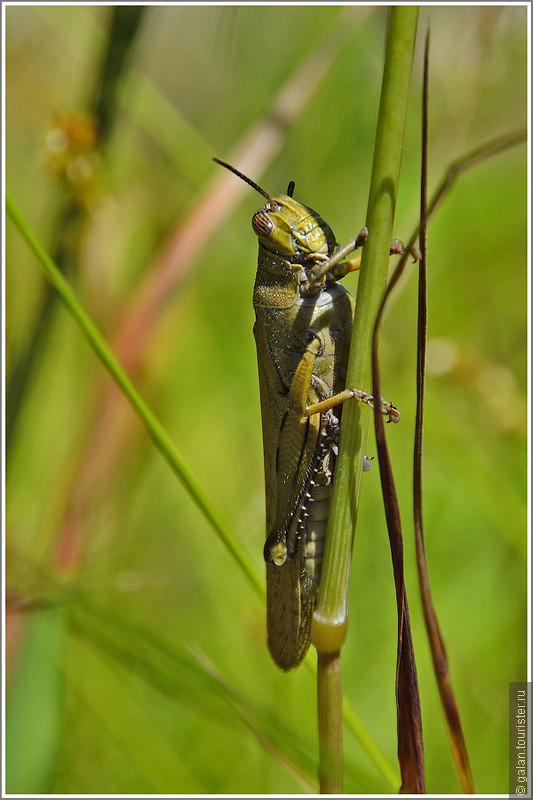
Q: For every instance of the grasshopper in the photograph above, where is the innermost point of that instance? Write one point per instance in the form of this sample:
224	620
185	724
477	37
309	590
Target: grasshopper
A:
302	334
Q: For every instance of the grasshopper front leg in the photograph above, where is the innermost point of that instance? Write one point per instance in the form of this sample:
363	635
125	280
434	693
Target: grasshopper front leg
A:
338	266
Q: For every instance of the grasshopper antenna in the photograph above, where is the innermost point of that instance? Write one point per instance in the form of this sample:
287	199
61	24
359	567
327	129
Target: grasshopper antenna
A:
249	181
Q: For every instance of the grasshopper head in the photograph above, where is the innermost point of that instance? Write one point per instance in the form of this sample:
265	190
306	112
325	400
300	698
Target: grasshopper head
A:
293	231
286	227
292	238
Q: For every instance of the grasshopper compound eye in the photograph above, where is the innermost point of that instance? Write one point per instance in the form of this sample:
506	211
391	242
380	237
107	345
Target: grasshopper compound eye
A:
262	224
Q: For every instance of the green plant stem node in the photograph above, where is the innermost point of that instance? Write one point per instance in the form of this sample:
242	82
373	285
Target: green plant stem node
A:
328	634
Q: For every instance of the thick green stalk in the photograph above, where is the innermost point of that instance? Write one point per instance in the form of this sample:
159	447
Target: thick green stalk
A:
330	732
329	625
330	618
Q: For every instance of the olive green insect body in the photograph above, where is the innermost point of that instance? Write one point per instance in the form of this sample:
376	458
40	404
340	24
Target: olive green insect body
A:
302	346
302	333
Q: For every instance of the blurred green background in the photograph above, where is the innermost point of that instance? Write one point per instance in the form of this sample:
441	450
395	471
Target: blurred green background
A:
119	594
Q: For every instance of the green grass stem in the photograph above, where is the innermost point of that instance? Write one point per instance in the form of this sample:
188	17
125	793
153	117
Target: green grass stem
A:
375	261
330	619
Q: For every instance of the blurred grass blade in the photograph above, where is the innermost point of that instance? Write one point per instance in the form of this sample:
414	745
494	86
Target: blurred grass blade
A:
456	168
34	715
462	164
121	709
485	151
160	663
357	729
156	431
167	668
123	30
246	714
170	670
71	217
438	651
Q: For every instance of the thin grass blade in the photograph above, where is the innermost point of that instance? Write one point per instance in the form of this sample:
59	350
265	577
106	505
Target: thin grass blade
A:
436	643
409	720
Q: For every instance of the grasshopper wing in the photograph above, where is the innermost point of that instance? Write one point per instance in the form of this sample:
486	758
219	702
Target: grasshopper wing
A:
289	443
